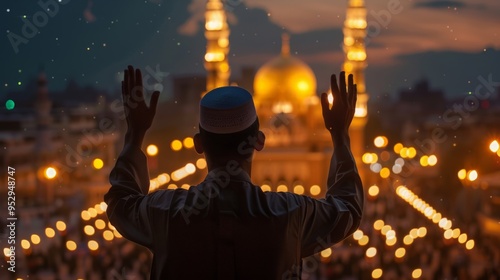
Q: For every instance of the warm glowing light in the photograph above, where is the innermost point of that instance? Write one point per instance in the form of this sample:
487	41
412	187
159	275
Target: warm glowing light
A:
172	187
265	188
385	172
368	158
185	186
472	175
377	273
35	239
6	252
432	160
163	178
315	190
223	42
176	145
424	161
348	41
378	224
100	224
470	244
407	240
390	234
494	146
385	229
436	218
398	147
417	273
391	242
371	252
448	234
93	245
152	150
92	212
103	206
456	233
326	253
299	189
50	232
373	190
303	86
201	163
214	20
462	174
61	226
356	55
50	173
330	98
70	245
89	230
25	244
462	238
380	141
190	168
363	240
422	232
282	188
400	252
214	56
411	152
357	235
85	215
117	234
108	235
188	142
98	163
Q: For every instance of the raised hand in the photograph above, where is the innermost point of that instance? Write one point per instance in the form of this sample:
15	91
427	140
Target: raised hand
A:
338	118
139	116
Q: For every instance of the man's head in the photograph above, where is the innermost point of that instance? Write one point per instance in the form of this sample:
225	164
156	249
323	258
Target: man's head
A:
229	127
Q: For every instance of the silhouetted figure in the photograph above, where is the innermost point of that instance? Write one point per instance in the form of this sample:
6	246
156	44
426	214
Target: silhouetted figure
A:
226	227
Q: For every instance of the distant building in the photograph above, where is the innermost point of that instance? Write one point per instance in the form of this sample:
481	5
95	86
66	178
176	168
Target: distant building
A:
59	154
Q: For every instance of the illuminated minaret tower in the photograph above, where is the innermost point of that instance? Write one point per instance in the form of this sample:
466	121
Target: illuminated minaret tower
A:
355	63
217	35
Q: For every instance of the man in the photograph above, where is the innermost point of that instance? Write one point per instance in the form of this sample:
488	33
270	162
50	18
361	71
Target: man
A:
226	227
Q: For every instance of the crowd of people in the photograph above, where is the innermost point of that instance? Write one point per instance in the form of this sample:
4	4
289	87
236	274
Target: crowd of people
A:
435	256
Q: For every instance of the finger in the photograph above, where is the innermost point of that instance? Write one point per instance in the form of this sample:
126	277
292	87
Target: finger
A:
131	78
342	88
154	102
350	86
138	82
325	105
125	81
354	95
335	88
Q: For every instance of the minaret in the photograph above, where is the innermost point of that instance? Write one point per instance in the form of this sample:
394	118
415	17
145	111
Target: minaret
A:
217	35
355	63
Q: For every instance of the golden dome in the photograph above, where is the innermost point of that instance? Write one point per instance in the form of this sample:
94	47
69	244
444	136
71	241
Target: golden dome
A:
284	79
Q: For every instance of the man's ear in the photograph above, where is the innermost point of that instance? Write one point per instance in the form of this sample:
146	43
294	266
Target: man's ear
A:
261	139
197	143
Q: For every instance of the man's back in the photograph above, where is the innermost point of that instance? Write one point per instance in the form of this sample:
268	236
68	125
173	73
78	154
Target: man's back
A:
226	227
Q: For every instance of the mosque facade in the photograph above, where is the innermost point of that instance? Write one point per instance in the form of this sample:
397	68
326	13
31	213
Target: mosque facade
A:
298	147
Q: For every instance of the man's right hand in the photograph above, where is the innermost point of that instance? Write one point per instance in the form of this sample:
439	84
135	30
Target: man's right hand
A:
338	118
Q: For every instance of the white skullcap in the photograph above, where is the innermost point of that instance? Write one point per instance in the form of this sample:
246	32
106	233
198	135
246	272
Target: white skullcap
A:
226	110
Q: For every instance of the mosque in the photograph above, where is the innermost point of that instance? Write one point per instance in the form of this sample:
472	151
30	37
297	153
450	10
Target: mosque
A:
298	147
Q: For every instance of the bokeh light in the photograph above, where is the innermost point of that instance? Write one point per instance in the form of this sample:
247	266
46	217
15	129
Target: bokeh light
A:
152	150
10	104
98	163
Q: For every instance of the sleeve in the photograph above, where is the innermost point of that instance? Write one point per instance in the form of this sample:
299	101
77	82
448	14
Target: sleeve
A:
127	200
331	219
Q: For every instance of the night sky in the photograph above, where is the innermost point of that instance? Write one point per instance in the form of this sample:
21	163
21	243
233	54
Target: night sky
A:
449	42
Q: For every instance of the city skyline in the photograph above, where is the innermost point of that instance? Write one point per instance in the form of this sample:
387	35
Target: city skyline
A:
408	40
